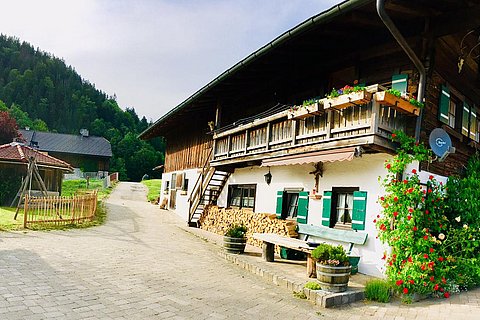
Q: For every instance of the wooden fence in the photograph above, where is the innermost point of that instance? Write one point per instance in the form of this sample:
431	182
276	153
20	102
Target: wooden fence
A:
59	210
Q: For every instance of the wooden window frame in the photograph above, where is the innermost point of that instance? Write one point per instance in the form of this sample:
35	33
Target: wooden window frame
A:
242	187
333	211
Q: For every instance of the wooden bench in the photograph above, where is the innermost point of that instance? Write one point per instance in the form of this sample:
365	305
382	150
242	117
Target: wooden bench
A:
348	236
272	239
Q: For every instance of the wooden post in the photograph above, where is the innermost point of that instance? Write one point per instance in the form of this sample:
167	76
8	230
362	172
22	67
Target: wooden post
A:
218	115
311	272
229	145
25	211
294	132
329	124
268	252
268	135
375	116
246	142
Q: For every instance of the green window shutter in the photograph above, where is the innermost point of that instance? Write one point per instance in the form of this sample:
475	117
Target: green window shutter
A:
400	83
359	210
327	208
279	204
465	118
302	208
473	123
444	104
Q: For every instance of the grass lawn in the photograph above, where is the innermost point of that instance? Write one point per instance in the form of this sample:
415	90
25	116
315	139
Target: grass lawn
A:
154	186
6	219
69	188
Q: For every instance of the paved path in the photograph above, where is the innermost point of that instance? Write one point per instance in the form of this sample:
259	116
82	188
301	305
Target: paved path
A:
140	265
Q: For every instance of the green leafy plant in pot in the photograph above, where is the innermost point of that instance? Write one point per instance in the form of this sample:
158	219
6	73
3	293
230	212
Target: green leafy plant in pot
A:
235	239
333	267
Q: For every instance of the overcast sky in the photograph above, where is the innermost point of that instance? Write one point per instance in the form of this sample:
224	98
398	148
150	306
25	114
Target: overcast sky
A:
152	54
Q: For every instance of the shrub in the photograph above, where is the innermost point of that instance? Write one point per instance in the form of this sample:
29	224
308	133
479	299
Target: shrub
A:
313	285
330	255
411	223
236	231
378	290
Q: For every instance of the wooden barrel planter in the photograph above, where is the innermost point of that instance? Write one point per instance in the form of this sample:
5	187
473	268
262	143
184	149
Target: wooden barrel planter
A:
333	279
234	245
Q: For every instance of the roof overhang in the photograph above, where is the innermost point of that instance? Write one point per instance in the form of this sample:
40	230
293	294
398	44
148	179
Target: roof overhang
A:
349	31
323	17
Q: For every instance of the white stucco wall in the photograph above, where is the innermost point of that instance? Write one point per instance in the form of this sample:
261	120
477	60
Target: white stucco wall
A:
361	172
182	205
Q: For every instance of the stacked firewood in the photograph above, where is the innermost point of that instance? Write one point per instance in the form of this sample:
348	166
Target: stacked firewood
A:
218	220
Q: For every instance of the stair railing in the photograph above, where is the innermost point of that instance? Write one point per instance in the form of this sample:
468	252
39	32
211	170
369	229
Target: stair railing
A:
199	187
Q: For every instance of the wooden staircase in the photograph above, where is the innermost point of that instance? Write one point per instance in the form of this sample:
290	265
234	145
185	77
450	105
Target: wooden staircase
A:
207	189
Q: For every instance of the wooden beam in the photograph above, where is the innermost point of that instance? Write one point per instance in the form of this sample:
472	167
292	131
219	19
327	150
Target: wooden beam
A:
454	22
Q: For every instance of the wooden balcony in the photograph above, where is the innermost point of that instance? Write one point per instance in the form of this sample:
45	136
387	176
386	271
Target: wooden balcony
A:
369	125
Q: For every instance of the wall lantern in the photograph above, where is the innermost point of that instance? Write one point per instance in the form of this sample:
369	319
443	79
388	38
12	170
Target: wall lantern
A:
268	177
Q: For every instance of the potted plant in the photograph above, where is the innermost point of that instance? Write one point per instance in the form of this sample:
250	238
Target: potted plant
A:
333	267
235	239
308	108
394	99
346	97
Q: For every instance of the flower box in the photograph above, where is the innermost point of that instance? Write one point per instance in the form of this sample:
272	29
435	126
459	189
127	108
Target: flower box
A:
348	100
302	112
397	103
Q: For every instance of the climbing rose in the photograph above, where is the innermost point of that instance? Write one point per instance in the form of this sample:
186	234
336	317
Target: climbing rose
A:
405	290
432	250
446	295
414	171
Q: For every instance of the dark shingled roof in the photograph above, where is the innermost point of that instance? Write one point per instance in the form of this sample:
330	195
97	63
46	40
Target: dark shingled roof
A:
68	143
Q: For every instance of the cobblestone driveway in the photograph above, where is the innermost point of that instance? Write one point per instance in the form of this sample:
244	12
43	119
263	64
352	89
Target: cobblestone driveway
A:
140	265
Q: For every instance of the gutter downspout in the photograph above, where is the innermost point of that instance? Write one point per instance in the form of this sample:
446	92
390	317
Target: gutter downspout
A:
411	54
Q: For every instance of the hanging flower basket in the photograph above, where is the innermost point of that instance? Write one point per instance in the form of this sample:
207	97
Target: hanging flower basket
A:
304	111
397	103
348	100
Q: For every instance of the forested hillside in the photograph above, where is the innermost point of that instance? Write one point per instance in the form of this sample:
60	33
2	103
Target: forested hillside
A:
40	91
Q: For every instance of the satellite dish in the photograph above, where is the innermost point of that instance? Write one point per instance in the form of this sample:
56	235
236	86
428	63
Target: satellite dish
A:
440	143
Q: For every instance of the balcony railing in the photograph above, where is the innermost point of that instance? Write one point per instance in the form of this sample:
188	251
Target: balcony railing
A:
368	124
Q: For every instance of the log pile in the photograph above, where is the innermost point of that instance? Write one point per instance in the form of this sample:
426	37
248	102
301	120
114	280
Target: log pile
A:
218	220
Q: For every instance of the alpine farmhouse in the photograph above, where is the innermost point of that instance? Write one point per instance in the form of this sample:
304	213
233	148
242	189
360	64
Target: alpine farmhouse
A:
263	136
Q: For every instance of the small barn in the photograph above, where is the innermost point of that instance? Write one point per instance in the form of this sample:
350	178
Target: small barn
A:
89	155
14	158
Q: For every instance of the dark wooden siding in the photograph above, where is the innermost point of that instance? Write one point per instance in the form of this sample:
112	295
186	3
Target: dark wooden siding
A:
189	149
467	84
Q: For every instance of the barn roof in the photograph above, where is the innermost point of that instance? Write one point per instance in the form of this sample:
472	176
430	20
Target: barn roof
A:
69	143
20	153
